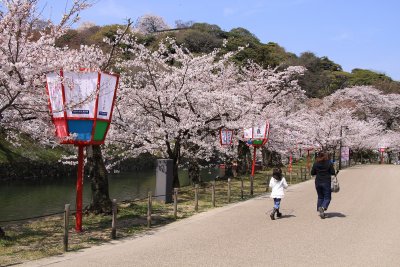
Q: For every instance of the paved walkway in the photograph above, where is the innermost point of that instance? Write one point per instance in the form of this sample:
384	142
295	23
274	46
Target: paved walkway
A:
363	229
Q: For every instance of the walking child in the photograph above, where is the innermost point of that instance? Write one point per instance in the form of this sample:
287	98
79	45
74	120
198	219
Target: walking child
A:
277	184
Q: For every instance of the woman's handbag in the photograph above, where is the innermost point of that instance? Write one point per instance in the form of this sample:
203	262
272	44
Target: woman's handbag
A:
335	187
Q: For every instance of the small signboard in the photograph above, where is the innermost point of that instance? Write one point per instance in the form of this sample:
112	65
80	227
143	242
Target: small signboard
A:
345	153
257	132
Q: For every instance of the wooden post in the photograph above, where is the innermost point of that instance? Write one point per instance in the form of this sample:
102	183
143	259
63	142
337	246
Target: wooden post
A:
149	208
241	187
175	203
196	197
301	173
251	185
114	219
213	193
66	227
229	190
290	177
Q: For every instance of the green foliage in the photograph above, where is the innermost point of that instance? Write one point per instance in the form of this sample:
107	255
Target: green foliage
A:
108	31
199	41
28	150
323	76
366	77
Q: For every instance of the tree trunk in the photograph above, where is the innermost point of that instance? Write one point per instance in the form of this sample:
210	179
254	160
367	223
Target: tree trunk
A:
244	158
2	234
101	202
273	159
174	154
194	171
176	182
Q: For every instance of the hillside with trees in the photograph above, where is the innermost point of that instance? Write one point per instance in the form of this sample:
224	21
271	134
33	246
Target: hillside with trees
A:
322	77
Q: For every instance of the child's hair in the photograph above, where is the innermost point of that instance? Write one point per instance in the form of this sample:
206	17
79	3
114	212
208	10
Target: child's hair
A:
277	174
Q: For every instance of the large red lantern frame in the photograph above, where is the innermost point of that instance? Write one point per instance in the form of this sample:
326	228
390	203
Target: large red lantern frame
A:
81	106
256	136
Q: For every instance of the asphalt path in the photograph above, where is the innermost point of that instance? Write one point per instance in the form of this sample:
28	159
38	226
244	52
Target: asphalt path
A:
362	228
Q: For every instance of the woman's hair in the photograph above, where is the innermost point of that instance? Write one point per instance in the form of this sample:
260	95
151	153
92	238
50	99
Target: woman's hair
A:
322	156
277	174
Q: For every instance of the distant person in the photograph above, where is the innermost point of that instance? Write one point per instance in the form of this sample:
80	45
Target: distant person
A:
323	169
277	183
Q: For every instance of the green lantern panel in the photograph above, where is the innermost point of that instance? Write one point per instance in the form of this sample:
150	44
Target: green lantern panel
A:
100	130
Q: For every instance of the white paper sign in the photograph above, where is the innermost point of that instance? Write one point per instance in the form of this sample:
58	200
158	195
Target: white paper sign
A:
226	137
108	84
248	133
55	94
345	154
80	94
257	132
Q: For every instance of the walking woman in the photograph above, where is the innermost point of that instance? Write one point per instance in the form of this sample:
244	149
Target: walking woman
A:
323	169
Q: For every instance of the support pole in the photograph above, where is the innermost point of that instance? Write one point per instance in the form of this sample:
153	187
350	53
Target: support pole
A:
79	190
253	168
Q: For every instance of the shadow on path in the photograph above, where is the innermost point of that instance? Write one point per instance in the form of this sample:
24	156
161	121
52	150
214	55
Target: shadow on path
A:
285	216
334	214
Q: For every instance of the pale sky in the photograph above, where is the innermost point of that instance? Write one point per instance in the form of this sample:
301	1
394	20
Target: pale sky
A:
353	33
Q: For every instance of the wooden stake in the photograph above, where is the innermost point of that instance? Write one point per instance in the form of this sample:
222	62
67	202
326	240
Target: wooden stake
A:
149	208
175	203
196	197
66	226
114	219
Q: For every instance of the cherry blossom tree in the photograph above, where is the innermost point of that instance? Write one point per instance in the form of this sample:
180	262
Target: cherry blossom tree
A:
270	95
369	103
150	24
170	99
323	127
356	116
172	103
